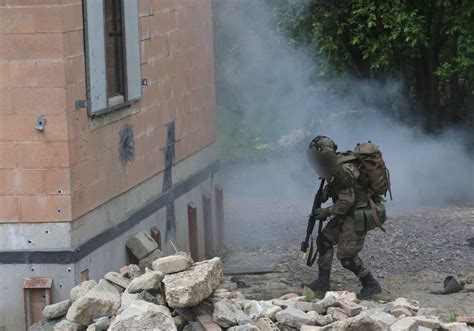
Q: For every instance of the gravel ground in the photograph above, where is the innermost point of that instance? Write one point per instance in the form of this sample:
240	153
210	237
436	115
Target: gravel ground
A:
412	258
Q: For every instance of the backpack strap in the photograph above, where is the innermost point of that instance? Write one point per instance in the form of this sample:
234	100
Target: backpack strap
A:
345	157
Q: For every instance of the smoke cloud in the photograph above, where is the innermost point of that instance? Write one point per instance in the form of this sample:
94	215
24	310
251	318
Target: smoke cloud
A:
271	90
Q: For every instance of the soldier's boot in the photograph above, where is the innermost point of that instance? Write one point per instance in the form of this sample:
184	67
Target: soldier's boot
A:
321	285
370	286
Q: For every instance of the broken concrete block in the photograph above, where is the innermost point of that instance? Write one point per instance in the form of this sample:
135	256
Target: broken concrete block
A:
207	323
102	300
293	317
171	264
469	320
245	327
141	245
190	287
310	328
382	318
412	305
329	301
142	315
321	320
147	296
227	314
346	295
350	308
272	311
266	324
399	312
358	323
66	325
99	324
147	261
81	289
254	309
456	326
428	321
56	310
337	314
288	296
147	281
405	324
130	271
127	298
304	306
118	279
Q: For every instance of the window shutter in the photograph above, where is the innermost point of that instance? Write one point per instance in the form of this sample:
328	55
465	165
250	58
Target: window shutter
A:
132	50
95	55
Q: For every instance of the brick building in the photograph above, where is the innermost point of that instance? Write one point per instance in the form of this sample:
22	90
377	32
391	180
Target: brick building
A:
107	128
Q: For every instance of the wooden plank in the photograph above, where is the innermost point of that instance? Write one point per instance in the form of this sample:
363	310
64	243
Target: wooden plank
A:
208	228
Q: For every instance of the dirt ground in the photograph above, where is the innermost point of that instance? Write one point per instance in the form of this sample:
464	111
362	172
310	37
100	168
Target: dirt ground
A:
419	249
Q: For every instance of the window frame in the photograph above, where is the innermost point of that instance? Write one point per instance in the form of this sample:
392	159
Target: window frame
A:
126	49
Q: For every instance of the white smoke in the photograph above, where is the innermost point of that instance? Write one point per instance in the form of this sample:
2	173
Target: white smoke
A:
267	81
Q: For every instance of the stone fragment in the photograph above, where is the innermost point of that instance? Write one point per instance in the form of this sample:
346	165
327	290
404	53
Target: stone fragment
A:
401	312
102	300
44	325
66	325
293	317
147	261
310	328
141	245
142	315
147	281
254	309
346	295
222	295
118	279
350	308
99	324
272	311
127	298
171	264
337	313
321	320
147	296
428	312
380	317
428	321
227	314
404	324
456	326
469	320
245	327
190	287
304	306
412	305
56	310
288	296
329	301
358	323
179	322
160	299
81	289
207	323
130	271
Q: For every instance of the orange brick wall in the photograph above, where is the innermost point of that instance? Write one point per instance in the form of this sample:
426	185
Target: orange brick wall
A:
42	72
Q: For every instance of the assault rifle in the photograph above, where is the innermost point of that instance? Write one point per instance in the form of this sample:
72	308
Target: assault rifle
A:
309	230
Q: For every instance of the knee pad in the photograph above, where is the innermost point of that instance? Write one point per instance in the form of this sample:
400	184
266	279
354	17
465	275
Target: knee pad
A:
350	264
324	245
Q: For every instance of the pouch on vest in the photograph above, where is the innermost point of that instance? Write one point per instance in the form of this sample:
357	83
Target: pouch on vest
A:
364	219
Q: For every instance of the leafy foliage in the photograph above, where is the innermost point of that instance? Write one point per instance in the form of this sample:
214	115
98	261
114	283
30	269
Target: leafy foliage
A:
429	45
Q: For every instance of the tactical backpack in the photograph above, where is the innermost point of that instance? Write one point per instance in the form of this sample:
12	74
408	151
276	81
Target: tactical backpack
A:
376	176
372	167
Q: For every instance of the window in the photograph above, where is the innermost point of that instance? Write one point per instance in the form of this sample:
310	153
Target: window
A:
112	54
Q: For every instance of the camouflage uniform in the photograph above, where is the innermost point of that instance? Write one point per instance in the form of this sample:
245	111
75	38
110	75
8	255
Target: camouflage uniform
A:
347	195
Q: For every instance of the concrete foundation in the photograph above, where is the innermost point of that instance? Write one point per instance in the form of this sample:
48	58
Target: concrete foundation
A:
95	243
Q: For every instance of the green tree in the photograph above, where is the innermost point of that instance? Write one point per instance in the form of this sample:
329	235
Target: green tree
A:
427	44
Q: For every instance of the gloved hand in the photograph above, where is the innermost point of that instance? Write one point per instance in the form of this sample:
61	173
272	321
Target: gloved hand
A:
321	214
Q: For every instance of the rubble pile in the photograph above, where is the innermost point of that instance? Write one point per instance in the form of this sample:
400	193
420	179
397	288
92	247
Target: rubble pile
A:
175	293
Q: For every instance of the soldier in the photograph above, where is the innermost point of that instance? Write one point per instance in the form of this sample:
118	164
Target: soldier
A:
348	192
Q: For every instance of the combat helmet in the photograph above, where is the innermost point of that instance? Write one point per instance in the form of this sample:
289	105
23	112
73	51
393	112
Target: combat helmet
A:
322	156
